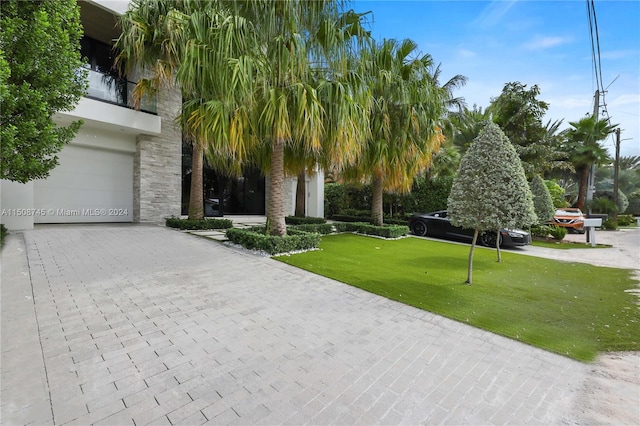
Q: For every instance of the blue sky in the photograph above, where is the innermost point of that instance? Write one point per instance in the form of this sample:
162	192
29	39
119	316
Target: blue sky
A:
535	42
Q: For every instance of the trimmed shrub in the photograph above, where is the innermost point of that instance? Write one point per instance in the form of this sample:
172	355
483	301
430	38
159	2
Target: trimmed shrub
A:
634	203
557	232
295	220
320	228
255	239
334	199
610	225
385	231
626	220
190	224
541	231
542	201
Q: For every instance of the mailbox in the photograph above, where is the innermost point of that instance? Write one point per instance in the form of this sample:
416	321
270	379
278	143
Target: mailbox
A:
596	222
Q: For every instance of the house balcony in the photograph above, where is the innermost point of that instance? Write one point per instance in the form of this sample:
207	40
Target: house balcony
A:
117	91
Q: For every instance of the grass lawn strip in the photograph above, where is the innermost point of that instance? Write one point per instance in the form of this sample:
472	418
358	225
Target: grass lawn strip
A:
571	309
565	245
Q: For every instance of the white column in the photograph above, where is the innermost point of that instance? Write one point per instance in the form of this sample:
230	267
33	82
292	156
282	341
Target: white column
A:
315	194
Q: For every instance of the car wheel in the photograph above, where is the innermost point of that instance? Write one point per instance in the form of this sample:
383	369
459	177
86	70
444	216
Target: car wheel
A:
489	239
420	228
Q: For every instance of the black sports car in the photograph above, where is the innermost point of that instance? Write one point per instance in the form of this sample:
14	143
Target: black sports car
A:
437	224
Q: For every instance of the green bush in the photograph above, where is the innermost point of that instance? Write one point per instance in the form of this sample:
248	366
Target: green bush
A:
557	193
334	199
191	224
634	203
610	225
540	231
436	194
385	231
626	220
255	239
295	220
349	218
353	215
557	232
320	228
3	232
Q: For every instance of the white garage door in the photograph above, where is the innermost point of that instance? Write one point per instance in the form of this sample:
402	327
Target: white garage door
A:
89	185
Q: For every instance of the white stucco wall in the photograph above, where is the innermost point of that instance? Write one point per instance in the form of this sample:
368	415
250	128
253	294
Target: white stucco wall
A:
16	203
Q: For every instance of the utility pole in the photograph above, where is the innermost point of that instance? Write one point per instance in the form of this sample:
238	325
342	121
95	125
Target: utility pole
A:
592	170
616	171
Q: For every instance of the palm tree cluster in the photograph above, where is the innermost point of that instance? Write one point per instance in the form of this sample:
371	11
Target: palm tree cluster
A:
287	86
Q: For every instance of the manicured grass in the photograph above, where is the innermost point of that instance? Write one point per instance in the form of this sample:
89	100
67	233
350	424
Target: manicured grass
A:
565	245
572	309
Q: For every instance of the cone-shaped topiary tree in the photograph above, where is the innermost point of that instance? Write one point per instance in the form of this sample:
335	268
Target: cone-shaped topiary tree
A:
490	191
542	201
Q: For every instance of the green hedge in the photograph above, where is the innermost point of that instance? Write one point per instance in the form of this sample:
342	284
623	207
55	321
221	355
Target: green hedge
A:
367	218
319	228
255	239
385	231
183	224
626	220
610	225
295	220
540	231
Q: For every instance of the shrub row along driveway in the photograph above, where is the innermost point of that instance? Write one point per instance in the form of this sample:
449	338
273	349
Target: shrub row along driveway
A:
137	324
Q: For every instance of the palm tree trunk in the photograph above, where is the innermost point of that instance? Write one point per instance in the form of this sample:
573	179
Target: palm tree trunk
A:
196	201
301	190
582	191
377	216
275	209
470	267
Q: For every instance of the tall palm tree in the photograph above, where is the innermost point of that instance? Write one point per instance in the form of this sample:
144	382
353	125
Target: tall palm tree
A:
404	112
179	43
585	150
290	109
244	68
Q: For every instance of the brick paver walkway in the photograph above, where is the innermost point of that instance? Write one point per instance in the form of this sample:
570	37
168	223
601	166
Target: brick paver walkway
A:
121	325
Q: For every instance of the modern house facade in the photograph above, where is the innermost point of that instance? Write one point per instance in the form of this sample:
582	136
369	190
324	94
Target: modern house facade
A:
124	165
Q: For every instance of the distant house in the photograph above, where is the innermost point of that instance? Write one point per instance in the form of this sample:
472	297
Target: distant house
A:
128	165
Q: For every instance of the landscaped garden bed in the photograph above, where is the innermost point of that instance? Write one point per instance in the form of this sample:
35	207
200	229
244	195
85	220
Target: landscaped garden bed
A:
201	224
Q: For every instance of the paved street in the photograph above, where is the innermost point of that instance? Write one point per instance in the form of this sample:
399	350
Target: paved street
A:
132	324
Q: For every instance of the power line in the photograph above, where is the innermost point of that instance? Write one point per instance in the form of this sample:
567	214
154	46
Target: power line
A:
597	61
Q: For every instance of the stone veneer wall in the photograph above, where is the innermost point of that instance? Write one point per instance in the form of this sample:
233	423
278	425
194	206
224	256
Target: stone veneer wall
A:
157	165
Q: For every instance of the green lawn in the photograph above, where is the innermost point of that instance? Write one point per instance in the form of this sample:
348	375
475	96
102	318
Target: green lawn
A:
565	245
572	309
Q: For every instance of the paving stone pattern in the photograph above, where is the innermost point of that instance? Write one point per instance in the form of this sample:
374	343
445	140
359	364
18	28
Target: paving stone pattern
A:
145	325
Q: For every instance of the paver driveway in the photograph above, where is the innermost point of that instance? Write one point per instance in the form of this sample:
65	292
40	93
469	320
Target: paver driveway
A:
140	324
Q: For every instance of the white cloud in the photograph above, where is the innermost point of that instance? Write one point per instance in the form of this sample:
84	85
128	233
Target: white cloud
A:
467	54
625	100
542	42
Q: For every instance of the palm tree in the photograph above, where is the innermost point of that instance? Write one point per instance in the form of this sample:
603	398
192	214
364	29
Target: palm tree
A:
166	41
631	162
244	68
585	150
296	39
404	110
466	125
